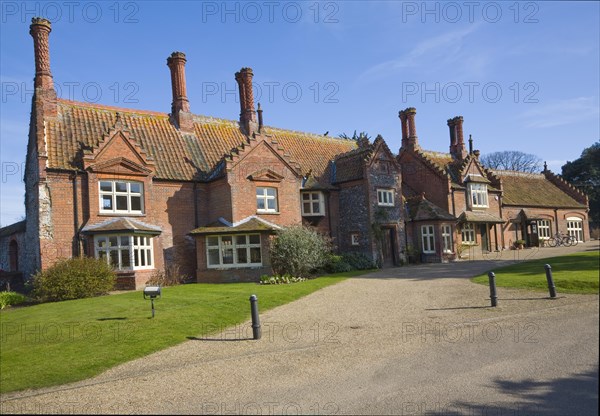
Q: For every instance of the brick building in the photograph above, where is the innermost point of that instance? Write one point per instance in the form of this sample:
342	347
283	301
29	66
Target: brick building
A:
144	190
452	199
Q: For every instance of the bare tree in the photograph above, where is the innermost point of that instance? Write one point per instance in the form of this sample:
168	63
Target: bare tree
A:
512	160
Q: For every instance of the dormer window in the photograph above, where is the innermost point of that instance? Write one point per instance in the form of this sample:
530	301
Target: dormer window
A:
313	204
121	197
478	195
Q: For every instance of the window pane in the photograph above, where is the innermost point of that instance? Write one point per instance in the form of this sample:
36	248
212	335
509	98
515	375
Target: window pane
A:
240	239
125	259
101	242
271	204
107	202
254	239
136	258
271	191
227	240
307	208
136	188
255	255
124	240
306	196
142	257
213	257
213	241
315	208
148	257
114	258
242	255
113	241
260	191
228	256
260	203
121	203
102	254
136	203
106	186
121	186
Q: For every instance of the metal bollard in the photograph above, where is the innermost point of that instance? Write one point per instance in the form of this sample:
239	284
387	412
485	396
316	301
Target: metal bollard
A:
256	332
551	286
493	294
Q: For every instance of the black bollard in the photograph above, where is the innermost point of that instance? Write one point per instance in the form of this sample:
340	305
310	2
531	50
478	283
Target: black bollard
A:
551	286
256	332
493	294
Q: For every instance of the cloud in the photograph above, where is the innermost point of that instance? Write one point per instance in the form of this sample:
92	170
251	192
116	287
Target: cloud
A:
442	48
562	112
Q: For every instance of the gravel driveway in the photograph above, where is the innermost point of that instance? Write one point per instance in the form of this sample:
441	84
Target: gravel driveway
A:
410	340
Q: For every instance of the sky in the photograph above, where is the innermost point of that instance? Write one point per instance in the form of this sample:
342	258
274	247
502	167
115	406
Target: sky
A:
524	75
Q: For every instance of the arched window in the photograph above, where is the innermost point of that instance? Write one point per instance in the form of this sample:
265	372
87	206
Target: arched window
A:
13	256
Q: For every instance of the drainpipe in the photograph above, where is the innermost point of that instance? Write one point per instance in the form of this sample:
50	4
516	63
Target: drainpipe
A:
556	219
76	244
196	205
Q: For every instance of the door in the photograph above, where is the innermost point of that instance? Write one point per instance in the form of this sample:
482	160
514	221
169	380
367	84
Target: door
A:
485	244
387	247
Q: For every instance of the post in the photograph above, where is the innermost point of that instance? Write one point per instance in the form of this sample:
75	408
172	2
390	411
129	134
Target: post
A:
551	286
152	302
493	294
256	332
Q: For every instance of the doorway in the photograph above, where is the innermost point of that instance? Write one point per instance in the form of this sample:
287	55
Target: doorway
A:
387	247
485	241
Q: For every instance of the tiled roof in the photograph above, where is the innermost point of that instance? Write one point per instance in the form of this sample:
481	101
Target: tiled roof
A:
121	224
349	166
249	224
533	190
17	227
177	155
479	217
420	209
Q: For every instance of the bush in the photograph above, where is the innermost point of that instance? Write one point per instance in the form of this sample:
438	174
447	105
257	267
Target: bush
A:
279	280
359	261
298	251
76	278
171	276
11	298
337	264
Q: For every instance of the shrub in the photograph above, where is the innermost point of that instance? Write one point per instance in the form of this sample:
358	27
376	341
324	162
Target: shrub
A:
11	298
299	251
337	264
279	280
76	278
359	261
171	276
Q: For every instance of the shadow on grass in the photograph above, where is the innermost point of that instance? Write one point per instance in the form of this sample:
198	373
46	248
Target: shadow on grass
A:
120	318
219	339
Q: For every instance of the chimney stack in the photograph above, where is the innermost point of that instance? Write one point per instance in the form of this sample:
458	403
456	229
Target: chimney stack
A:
470	145
180	107
411	140
457	141
404	126
40	31
247	113
260	118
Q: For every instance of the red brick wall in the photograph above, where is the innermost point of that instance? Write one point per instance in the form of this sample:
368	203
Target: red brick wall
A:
422	178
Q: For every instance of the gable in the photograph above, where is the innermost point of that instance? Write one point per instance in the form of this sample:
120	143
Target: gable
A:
260	161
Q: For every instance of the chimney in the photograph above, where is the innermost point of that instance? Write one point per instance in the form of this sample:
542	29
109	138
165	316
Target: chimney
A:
411	140
404	126
260	118
247	113
180	107
457	141
45	95
470	145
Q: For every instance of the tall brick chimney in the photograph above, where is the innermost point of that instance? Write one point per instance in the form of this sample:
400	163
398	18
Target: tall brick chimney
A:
247	113
457	141
45	94
180	107
411	139
404	127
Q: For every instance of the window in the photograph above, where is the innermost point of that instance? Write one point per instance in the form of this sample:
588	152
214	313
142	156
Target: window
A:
313	203
241	250
544	229
468	234
125	252
479	197
574	228
266	199
354	239
427	237
121	197
385	197
447	238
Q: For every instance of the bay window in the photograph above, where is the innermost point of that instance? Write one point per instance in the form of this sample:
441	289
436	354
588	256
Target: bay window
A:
240	250
125	252
121	197
428	238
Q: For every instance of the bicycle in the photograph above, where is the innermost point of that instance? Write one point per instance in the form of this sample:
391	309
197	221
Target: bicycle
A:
560	239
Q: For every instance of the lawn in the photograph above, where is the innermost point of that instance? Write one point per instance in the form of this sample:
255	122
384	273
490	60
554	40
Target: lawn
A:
57	343
573	273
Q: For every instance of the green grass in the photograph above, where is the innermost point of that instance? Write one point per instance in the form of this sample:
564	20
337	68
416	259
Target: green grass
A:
573	273
57	343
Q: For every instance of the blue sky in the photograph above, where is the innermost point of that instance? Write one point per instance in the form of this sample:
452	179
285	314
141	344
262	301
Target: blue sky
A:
525	76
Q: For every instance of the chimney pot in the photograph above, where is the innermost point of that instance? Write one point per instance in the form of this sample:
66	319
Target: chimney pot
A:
411	140
457	142
40	29
247	113
180	107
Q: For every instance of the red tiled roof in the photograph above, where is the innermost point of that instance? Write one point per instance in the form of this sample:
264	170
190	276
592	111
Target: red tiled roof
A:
178	155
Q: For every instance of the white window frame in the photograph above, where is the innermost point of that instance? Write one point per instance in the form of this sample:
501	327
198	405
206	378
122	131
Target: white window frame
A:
385	197
478	195
447	238
265	197
544	227
309	199
428	239
575	228
468	233
113	193
223	246
354	239
140	247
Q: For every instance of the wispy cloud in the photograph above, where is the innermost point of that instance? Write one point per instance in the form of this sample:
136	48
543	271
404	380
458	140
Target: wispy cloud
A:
443	48
562	112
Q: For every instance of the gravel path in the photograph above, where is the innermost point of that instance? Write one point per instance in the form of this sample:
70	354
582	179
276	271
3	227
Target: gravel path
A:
411	340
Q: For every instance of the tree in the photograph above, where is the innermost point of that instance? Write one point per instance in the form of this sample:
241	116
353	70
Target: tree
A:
584	173
299	251
512	160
